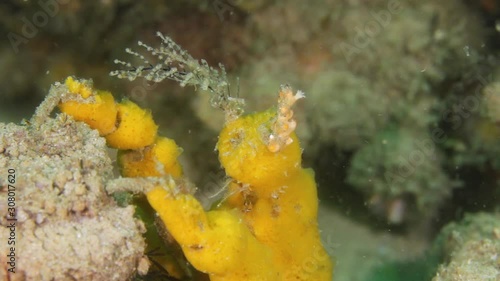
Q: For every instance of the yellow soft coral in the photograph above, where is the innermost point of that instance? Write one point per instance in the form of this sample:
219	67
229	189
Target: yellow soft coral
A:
245	156
82	88
216	242
136	128
279	205
278	208
99	111
144	162
266	229
124	125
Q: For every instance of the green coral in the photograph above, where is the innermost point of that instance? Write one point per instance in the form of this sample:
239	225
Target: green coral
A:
470	249
346	109
398	164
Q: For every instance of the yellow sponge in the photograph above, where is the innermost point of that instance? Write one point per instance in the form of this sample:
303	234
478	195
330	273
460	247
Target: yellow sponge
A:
245	156
136	127
82	88
216	242
143	163
99	115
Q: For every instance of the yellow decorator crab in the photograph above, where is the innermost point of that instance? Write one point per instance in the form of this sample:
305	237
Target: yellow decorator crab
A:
266	226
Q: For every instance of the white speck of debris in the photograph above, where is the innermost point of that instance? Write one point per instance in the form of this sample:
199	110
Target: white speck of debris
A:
466	50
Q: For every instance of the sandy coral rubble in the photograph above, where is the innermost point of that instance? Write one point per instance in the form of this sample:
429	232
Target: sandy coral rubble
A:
68	228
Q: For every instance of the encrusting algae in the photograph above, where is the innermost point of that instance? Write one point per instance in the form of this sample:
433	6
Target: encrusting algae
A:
265	228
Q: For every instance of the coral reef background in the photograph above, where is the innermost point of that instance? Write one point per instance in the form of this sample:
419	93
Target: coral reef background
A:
61	169
400	120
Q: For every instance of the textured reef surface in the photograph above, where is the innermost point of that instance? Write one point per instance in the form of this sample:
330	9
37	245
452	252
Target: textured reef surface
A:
400	124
